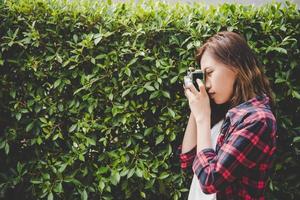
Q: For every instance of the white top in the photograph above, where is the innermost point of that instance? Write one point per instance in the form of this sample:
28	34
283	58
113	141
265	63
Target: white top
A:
195	189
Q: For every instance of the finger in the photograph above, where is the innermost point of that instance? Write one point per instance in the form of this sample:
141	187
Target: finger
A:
188	93
184	90
191	87
201	85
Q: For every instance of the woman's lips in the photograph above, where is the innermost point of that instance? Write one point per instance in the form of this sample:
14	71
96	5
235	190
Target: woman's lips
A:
211	94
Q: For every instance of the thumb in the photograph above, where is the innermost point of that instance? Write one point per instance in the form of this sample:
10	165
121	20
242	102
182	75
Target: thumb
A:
201	85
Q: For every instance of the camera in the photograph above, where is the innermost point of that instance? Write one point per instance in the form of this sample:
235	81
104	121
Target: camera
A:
192	75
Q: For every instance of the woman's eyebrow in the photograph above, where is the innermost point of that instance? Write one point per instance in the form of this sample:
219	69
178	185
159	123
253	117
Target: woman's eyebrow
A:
209	67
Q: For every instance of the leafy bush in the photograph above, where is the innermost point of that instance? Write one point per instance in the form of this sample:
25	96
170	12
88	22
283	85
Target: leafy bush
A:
91	98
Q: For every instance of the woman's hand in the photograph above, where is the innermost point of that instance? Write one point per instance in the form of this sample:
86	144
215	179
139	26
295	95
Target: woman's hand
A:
198	101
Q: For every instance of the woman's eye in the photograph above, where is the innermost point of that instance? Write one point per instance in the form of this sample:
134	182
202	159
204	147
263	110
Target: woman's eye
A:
208	73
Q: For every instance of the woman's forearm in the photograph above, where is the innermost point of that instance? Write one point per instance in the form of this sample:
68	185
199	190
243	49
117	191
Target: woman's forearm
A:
190	135
203	134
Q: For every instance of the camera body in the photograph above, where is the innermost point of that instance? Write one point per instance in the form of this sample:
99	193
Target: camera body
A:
192	75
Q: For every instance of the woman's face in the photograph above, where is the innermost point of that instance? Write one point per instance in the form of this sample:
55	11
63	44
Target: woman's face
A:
219	78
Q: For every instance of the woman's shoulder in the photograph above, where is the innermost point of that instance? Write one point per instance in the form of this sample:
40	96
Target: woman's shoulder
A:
259	117
254	110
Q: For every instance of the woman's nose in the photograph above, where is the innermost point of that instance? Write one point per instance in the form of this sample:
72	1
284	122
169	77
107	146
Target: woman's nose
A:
207	84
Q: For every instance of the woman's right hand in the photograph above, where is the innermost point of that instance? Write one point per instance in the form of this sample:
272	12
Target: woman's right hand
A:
191	114
184	90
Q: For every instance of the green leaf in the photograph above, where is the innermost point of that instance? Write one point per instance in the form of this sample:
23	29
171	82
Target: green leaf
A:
50	196
35	181
132	61
126	92
166	94
124	172
102	170
296	139
84	195
91	141
75	38
6	149
171	112
278	49
2	144
43	120
58	188
163	175
115	177
296	94
59	59
101	56
116	109
97	40
39	140
101	186
280	80
143	194
174	79
159	139
55	137
139	172
81	157
271	185
62	167
72	128
172	136
12	93
18	116
140	91
149	88
111	96
29	126
148	131
127	71
154	95
57	83
60	107
93	61
130	173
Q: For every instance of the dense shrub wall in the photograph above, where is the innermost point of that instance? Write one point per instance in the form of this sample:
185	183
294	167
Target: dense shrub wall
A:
91	98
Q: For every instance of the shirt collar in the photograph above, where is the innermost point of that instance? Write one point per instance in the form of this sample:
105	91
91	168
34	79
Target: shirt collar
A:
259	101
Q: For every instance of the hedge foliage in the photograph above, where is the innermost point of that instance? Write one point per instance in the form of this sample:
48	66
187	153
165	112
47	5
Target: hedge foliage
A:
91	97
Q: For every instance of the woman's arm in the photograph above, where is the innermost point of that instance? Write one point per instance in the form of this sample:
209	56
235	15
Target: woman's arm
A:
204	135
190	136
246	146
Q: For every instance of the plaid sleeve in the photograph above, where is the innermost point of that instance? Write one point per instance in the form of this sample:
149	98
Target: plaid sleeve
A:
186	159
243	149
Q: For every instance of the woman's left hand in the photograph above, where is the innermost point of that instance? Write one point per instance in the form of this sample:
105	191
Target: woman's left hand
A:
198	101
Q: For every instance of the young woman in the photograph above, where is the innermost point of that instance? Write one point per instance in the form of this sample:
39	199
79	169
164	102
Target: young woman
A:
239	165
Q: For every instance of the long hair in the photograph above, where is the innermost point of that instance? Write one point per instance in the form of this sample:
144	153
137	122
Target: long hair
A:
232	49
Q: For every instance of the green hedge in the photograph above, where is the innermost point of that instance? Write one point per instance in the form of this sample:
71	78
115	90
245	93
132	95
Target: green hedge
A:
91	97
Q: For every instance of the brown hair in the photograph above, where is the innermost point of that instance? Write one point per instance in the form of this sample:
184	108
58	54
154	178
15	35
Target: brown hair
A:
232	49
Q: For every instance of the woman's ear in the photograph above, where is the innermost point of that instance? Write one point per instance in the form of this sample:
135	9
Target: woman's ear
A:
235	71
235	81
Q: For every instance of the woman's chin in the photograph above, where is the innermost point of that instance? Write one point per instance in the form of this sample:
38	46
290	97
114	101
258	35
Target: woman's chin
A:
216	100
219	102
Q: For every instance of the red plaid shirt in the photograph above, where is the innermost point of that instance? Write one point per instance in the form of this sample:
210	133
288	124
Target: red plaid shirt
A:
241	164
